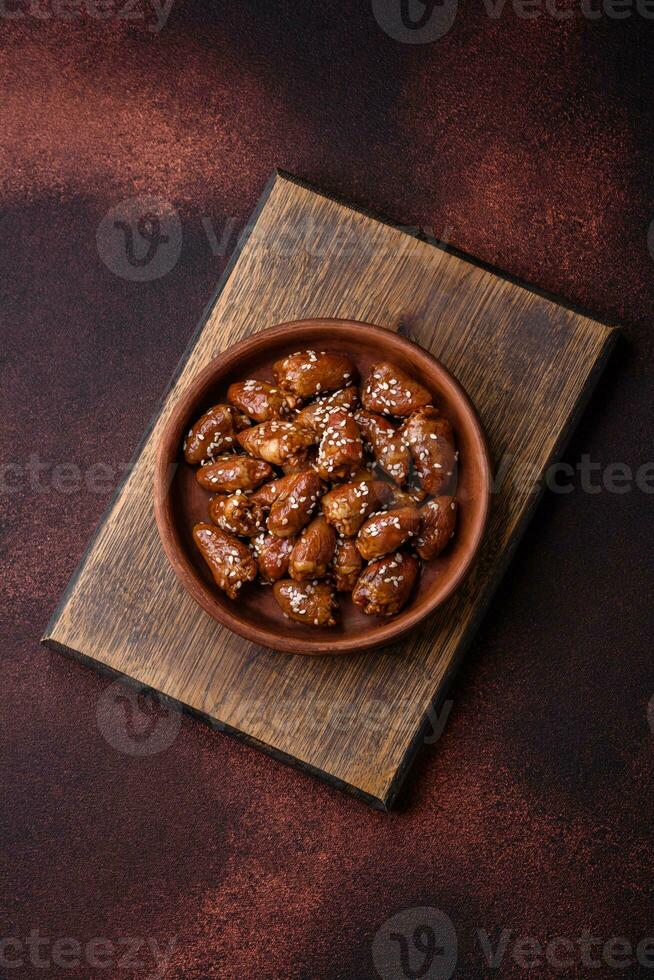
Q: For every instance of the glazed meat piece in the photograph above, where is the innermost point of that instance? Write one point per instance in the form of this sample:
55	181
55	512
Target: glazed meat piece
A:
347	506
340	451
410	497
314	417
258	399
437	523
363	473
312	603
230	473
237	513
267	494
384	585
313	551
389	390
213	433
431	441
230	561
387	531
309	372
301	461
295	505
275	441
347	564
389	449
273	555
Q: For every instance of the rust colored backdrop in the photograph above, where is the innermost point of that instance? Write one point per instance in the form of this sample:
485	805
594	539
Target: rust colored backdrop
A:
526	142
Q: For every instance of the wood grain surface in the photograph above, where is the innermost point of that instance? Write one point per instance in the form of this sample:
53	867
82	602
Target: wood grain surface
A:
527	362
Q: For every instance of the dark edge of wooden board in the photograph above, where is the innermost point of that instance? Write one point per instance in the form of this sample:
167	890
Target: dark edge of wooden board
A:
482	605
387	802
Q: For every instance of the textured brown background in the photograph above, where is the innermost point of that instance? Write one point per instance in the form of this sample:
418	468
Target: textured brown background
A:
531	143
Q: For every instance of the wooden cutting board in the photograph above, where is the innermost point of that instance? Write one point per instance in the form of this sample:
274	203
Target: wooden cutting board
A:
529	365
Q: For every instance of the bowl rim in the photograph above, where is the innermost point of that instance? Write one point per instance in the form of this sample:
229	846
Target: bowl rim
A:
200	590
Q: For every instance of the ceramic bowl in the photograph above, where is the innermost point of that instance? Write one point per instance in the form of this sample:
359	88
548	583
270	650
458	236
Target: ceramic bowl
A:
180	502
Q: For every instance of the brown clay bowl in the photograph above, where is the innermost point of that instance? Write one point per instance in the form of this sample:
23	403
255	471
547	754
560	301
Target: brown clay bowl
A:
180	502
